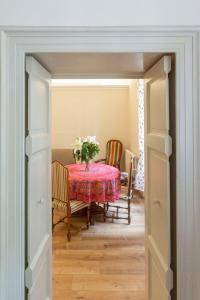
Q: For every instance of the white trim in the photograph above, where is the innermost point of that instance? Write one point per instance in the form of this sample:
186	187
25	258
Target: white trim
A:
14	44
100	76
35	69
48	30
3	168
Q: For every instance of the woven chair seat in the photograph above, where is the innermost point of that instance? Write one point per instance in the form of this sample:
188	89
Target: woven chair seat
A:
123	175
123	178
123	197
74	204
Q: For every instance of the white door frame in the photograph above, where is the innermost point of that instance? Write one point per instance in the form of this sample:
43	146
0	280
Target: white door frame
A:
15	43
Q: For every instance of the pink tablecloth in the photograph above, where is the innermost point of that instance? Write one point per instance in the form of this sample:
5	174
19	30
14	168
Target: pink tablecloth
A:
100	184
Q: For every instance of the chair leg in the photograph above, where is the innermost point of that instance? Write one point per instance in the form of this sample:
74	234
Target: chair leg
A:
52	214
88	216
129	212
69	229
104	212
107	206
117	212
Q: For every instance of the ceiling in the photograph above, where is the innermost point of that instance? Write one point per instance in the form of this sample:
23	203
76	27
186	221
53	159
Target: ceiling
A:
97	65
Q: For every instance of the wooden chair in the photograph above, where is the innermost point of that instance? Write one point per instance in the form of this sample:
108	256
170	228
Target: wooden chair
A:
60	196
124	175
128	193
113	153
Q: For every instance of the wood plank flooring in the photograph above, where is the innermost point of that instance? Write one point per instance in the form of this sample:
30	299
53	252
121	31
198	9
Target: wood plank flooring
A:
105	262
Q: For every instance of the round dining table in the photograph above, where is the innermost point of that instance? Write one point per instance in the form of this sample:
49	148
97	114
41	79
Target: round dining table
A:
100	184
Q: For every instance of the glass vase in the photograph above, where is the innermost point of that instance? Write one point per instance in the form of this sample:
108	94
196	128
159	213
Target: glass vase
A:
87	166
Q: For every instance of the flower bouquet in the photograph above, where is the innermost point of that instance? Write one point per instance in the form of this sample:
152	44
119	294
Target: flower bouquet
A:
85	149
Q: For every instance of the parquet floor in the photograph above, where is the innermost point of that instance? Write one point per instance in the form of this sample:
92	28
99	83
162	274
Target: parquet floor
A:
106	262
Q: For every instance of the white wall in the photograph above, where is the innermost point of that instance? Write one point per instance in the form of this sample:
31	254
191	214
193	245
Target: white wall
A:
82	111
99	13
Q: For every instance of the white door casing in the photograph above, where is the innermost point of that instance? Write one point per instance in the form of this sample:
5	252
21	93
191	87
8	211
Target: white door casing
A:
38	196
158	148
15	42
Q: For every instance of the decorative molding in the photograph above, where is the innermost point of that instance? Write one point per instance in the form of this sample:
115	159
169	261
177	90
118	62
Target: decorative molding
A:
35	143
82	29
15	42
96	76
32	271
3	168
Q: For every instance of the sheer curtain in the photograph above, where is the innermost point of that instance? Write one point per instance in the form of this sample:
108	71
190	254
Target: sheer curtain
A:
139	184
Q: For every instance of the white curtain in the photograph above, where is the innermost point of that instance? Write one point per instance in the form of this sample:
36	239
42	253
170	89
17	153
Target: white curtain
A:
139	184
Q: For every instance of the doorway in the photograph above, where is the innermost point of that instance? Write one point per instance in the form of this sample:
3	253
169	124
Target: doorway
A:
158	151
183	43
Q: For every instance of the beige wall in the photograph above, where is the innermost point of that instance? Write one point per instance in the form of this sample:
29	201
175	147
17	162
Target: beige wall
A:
133	117
82	111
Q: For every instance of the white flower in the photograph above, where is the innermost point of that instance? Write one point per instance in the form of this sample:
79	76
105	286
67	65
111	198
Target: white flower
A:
90	139
80	140
85	139
77	145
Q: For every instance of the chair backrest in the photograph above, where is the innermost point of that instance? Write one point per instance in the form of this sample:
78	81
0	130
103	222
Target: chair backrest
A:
135	160
59	182
132	172
114	153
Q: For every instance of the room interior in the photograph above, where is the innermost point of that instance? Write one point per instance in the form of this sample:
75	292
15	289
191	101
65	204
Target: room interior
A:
107	108
106	111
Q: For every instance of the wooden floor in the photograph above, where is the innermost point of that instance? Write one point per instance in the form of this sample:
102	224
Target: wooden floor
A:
105	262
